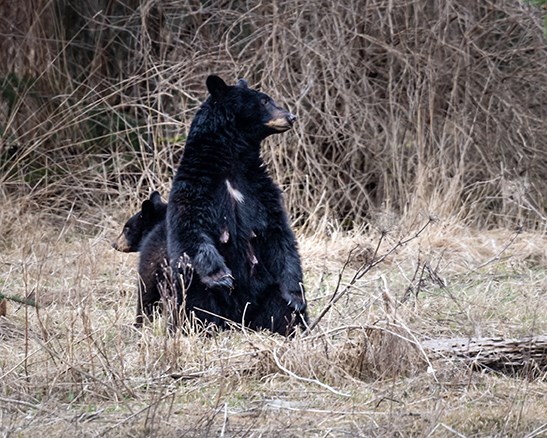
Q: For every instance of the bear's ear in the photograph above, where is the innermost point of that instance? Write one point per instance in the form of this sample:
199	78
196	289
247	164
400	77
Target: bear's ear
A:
242	83
147	210
155	197
216	86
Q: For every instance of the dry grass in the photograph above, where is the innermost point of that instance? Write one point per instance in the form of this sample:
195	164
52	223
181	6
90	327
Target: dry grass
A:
404	107
76	366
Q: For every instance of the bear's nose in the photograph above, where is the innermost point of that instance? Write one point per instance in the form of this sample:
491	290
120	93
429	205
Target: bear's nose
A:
291	118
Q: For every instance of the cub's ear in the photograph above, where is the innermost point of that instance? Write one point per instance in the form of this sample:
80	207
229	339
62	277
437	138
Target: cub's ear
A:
216	86
155	198
242	83
147	210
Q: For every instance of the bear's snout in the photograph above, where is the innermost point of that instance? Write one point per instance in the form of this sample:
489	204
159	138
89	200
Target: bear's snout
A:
291	118
121	244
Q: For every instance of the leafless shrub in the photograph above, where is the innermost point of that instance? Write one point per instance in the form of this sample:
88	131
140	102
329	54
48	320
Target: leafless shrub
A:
403	106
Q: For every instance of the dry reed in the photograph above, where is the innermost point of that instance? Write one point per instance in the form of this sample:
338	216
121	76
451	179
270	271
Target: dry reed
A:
404	108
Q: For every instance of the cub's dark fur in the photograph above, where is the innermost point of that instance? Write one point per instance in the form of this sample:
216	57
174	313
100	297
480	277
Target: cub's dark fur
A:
145	232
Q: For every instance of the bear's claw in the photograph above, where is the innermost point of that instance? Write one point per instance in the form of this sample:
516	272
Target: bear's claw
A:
298	304
219	279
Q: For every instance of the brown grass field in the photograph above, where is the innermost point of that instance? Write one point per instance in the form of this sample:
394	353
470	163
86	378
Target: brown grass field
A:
75	366
416	180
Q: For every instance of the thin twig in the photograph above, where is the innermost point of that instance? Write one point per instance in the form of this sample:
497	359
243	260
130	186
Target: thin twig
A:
306	379
16	299
365	268
497	257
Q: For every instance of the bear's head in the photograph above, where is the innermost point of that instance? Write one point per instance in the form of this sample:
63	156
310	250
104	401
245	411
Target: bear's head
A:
253	113
153	211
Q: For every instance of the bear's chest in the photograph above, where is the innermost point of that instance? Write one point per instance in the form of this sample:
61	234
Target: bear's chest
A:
243	212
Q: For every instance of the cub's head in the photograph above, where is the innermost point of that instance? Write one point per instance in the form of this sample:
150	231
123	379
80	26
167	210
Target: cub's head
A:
253	113
153	211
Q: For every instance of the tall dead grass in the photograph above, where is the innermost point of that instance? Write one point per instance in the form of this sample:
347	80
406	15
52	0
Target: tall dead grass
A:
405	108
76	366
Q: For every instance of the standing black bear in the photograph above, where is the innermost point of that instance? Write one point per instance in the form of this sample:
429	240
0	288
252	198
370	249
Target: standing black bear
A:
225	216
145	232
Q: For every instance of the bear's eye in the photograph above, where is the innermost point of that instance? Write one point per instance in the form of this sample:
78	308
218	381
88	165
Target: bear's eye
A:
264	101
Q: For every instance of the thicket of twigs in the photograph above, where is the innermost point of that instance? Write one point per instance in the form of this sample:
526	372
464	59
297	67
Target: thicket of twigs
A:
404	107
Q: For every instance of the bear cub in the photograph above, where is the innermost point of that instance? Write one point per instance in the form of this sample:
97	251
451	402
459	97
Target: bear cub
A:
145	232
138	226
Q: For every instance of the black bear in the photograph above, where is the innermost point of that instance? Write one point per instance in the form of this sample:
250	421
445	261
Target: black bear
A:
225	217
145	232
153	211
154	275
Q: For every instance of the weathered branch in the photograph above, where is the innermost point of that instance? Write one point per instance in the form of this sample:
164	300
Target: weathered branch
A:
26	301
494	353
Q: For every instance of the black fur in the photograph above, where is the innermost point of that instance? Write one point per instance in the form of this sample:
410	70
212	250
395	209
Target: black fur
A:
152	273
145	232
226	214
139	225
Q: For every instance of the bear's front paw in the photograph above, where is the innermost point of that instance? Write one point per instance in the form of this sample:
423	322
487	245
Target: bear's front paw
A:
295	300
298	303
221	278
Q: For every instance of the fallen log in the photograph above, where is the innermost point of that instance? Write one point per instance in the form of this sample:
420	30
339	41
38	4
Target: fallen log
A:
4	301
498	354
